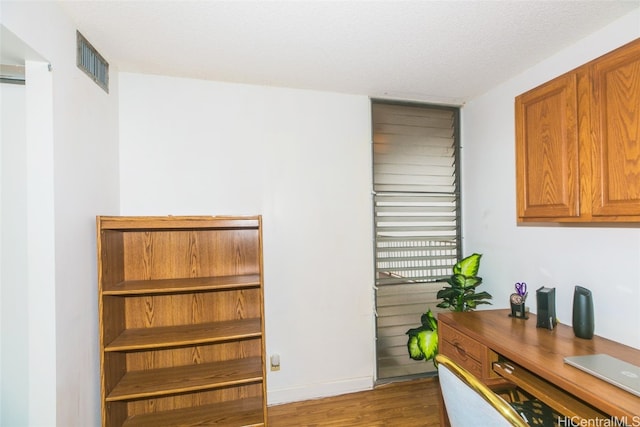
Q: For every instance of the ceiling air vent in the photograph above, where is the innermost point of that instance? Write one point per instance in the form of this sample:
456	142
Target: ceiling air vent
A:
92	63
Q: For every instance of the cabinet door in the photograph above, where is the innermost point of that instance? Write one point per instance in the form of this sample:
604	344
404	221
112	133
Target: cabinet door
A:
615	124
547	150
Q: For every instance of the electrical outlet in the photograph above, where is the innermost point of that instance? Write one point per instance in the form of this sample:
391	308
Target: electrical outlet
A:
275	362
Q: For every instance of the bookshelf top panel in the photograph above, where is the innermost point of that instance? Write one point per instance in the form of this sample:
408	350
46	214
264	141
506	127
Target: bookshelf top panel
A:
176	222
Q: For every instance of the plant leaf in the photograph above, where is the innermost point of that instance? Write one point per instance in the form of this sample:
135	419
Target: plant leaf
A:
429	321
457	280
448	293
471	282
428	343
414	351
414	331
481	295
468	266
444	304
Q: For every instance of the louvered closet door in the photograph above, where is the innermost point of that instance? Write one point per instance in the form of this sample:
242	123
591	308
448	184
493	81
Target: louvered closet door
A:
417	226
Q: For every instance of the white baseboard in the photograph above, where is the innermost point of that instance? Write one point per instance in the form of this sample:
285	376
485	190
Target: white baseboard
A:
316	391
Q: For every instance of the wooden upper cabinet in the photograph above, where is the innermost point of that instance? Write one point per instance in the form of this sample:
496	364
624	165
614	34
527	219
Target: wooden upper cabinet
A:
578	143
615	123
547	150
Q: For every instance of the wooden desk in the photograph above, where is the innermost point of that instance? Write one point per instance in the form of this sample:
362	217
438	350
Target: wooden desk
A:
493	335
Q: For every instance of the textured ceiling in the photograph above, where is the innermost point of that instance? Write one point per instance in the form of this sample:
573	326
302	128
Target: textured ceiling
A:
437	51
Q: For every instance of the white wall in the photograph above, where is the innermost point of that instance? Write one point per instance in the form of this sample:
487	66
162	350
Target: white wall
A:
603	259
39	239
72	176
302	160
13	261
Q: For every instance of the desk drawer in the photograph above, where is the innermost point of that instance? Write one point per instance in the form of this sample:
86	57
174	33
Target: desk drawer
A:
465	346
463	359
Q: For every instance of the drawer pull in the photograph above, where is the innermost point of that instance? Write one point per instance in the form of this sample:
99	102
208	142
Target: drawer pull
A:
461	351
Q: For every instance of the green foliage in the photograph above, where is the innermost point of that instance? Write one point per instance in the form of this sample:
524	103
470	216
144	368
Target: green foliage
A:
461	293
468	266
423	340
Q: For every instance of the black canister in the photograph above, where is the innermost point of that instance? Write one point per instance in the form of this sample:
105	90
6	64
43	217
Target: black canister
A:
583	324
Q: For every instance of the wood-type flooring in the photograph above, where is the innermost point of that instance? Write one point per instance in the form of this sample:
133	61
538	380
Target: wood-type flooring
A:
412	403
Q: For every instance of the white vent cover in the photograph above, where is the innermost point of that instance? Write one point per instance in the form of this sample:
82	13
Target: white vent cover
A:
92	63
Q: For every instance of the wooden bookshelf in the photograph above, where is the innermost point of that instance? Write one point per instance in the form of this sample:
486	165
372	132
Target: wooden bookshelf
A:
247	412
181	321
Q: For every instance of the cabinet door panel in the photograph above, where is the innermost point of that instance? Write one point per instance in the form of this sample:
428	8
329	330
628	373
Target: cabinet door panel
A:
547	150
615	121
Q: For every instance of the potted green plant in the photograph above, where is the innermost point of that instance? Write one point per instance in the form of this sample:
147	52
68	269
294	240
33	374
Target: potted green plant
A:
460	295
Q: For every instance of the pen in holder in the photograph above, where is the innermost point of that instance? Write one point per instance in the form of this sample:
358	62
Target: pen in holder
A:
518	299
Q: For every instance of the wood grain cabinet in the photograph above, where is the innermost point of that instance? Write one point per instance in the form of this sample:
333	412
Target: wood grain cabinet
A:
472	355
578	143
181	321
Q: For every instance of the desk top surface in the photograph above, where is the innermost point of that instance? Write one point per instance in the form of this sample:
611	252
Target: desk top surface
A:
542	352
